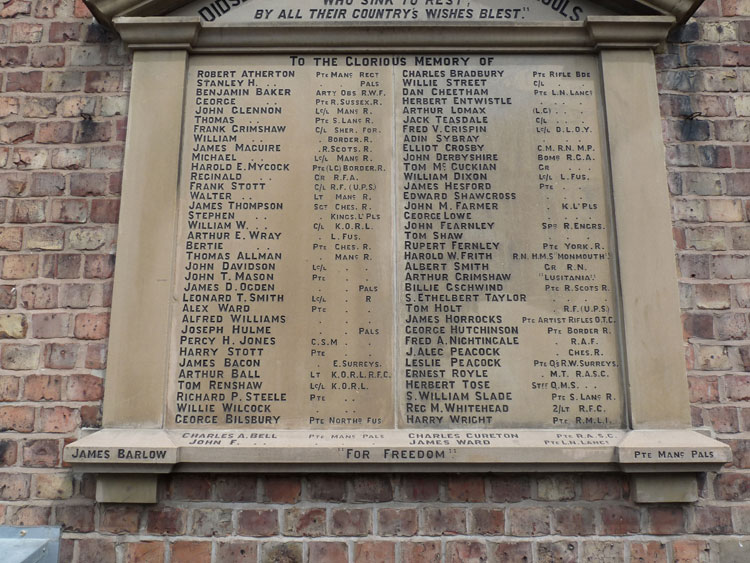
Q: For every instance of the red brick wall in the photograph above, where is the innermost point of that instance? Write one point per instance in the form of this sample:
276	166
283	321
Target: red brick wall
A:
63	106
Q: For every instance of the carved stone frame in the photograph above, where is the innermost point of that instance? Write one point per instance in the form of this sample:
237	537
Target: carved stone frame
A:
654	372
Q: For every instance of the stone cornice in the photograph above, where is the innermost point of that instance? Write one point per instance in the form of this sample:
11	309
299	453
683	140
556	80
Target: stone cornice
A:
106	11
597	32
680	9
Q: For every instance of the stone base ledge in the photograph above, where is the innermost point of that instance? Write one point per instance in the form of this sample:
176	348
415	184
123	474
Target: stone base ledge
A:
671	451
162	451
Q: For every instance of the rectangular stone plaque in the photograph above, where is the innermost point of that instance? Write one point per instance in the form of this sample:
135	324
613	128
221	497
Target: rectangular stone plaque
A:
390	257
394	242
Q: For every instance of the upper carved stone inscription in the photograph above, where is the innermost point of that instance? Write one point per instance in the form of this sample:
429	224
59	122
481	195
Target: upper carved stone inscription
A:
367	11
406	241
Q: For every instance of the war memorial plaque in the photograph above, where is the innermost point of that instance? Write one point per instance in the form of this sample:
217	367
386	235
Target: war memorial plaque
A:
422	237
408	241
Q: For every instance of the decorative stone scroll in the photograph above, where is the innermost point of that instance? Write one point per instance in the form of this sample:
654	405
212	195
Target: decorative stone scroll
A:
395	245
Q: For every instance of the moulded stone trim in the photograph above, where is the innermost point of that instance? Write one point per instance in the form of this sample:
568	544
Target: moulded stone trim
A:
107	10
680	9
636	451
610	32
597	32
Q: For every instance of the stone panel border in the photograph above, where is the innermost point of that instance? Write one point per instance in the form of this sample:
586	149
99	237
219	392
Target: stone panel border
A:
659	438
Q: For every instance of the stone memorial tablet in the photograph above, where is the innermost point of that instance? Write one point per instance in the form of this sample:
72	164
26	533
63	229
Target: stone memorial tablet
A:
397	236
401	241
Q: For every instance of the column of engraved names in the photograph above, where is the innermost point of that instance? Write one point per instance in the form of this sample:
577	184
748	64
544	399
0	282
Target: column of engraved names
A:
230	219
350	232
579	374
453	285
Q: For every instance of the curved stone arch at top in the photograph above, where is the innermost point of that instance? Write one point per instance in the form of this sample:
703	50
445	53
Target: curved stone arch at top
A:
106	10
